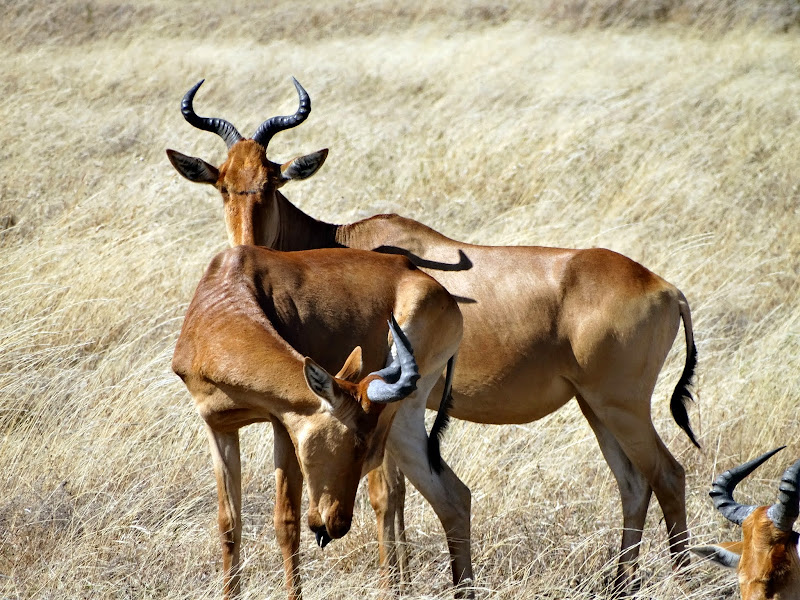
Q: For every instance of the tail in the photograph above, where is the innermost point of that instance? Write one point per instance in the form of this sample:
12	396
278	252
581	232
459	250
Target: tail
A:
682	395
442	420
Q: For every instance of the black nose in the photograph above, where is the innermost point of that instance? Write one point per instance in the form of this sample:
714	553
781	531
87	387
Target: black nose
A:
323	539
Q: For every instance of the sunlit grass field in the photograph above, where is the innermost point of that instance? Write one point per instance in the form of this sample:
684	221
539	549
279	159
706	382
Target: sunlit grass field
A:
669	132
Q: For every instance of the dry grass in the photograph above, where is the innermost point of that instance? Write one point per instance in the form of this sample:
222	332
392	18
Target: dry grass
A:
676	145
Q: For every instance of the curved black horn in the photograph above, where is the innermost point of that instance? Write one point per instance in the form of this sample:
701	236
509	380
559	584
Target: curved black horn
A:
219	126
722	489
273	125
784	513
399	379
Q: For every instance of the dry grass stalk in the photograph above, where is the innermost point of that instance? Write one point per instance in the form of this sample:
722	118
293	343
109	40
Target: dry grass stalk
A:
675	146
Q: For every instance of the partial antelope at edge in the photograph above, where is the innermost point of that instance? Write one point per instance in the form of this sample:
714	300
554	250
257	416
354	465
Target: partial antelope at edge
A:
766	559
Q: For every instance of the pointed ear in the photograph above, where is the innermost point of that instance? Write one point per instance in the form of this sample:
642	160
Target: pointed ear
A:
304	167
726	555
320	382
194	169
318	379
351	371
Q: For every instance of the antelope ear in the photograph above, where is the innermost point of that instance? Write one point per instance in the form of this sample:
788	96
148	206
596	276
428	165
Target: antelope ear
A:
727	556
351	371
319	381
194	169
304	167
324	385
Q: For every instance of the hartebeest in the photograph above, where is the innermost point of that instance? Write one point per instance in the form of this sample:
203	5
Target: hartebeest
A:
255	315
766	560
542	326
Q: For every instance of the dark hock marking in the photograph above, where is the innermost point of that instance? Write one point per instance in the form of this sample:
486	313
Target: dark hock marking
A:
323	539
463	264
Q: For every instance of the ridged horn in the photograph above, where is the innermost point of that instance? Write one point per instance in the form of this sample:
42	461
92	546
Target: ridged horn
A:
722	489
784	513
219	126
273	125
399	379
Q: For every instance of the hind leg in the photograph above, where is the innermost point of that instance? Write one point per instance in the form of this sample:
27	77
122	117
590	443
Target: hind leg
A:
634	493
446	493
628	421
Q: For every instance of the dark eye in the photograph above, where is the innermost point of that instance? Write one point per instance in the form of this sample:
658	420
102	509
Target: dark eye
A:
223	190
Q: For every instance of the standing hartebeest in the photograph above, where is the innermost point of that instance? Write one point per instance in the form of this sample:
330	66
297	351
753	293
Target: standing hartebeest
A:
541	326
255	314
767	559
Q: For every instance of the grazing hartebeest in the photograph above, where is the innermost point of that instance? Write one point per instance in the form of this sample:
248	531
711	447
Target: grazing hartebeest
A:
542	325
766	559
255	314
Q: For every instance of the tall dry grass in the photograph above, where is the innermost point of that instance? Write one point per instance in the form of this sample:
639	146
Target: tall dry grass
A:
671	137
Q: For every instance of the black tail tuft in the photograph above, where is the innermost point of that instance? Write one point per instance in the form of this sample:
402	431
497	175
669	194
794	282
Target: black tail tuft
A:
442	420
682	395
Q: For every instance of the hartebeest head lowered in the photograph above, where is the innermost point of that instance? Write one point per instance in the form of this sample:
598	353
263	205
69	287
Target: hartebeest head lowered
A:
256	318
247	180
337	449
766	559
336	430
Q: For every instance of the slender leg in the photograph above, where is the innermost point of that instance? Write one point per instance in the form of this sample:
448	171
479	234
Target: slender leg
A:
397	487
228	471
629	423
447	494
634	492
386	486
288	493
382	505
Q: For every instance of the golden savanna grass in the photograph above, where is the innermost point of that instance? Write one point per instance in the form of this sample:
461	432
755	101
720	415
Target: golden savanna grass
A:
668	131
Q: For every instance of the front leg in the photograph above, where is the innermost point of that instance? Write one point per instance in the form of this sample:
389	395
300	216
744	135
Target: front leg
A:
228	471
288	494
387	490
397	487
